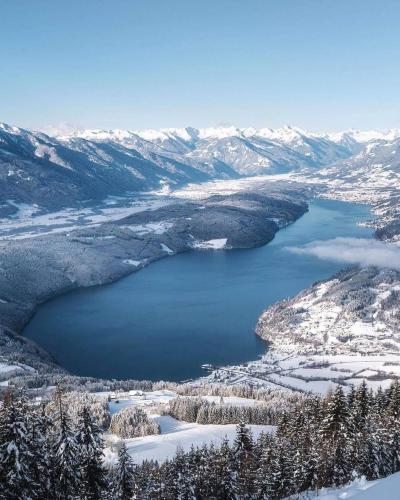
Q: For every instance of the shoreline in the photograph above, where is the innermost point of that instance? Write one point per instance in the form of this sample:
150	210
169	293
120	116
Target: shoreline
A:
100	255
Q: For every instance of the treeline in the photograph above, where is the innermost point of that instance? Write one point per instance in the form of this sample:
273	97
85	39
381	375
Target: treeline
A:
323	442
37	384
205	412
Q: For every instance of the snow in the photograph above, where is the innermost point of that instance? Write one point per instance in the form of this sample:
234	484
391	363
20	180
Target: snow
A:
4	368
179	434
173	432
383	489
30	222
133	262
219	132
7	371
152	227
314	373
216	244
285	134
166	249
42	151
146	399
225	187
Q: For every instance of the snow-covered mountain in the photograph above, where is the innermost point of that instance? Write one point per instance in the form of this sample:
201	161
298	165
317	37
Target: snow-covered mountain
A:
356	311
247	151
370	176
52	172
62	170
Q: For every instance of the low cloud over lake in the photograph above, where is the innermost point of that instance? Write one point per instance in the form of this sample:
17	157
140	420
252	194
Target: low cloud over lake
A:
362	251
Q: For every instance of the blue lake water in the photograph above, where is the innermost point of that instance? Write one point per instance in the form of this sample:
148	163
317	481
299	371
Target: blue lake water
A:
168	319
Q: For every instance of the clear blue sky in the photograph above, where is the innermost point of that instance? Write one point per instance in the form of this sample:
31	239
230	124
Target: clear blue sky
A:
318	64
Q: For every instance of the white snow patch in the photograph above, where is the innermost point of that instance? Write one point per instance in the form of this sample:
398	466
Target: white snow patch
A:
166	249
133	262
360	489
216	244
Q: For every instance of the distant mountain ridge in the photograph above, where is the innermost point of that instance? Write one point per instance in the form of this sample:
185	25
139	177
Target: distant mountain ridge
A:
59	171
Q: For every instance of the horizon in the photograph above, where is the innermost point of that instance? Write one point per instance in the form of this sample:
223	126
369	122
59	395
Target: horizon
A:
67	129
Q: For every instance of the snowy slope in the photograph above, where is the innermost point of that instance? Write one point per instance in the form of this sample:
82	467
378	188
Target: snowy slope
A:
387	488
176	434
371	176
355	311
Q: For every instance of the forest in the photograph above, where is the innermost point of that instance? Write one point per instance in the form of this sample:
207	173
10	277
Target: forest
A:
49	450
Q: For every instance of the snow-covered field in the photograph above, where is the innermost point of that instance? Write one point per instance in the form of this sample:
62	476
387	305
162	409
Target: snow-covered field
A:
312	373
30	222
176	434
173	432
225	187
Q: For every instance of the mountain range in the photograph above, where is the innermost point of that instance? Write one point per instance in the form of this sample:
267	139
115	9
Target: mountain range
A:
64	170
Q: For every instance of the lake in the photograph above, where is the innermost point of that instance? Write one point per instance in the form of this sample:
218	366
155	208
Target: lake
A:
168	319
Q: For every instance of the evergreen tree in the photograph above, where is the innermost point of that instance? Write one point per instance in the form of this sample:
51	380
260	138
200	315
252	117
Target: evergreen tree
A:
264	487
17	480
244	462
124	477
225	488
92	474
42	464
65	457
335	464
393	425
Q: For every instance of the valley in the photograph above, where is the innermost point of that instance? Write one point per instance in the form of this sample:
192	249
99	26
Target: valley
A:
220	190
196	308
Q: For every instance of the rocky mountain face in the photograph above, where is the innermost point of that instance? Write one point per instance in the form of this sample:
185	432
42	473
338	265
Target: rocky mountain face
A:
55	172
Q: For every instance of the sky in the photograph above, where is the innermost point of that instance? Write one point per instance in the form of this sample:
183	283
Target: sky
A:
318	64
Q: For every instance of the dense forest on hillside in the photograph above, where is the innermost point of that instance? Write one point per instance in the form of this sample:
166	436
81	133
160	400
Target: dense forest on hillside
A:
49	450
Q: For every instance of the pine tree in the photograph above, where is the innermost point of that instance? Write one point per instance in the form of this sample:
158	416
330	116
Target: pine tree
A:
264	487
42	463
244	462
65	456
92	475
183	482
224	471
16	451
393	425
124	476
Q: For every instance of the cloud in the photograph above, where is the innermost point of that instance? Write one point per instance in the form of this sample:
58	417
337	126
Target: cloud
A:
365	252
